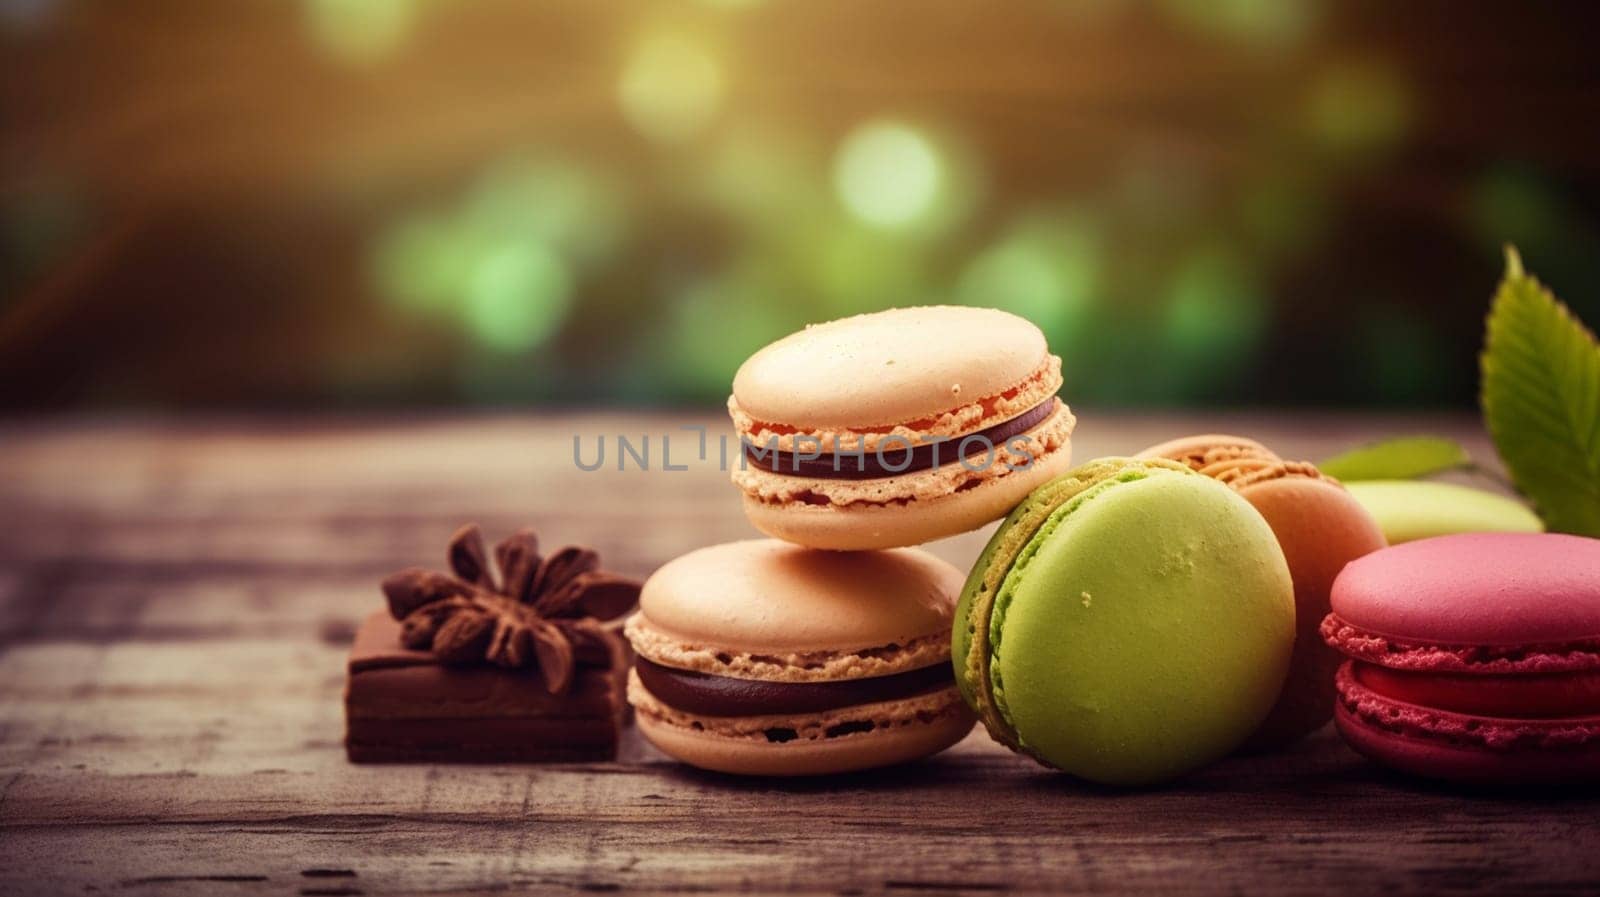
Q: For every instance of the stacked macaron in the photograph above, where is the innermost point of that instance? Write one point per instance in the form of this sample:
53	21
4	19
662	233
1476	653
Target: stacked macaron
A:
830	651
899	427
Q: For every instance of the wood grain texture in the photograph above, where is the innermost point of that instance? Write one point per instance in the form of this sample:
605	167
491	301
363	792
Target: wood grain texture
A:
175	602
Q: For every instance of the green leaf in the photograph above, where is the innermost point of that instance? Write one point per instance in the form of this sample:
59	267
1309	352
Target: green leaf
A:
1405	458
1541	401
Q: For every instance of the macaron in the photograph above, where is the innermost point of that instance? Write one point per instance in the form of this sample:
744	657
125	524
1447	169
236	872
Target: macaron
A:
1320	528
1208	448
1421	509
765	658
1474	657
897	428
1129	622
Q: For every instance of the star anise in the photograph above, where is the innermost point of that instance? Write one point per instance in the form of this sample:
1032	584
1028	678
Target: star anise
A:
536	611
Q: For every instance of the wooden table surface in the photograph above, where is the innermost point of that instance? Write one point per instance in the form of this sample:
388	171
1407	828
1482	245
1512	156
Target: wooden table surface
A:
176	598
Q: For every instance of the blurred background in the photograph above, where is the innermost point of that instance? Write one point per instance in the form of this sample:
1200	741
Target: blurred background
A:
396	203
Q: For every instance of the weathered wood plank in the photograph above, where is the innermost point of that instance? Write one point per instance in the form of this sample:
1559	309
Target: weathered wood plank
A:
976	817
174	604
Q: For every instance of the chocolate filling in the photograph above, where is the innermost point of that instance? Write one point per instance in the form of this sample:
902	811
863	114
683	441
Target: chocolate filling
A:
897	457
706	695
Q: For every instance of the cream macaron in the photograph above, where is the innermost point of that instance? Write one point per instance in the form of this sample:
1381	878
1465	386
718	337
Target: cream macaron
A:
898	427
765	658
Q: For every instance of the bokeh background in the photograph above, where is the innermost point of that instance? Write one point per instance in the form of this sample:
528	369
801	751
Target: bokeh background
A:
380	203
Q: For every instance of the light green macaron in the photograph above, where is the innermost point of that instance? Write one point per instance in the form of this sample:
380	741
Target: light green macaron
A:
1407	510
1129	622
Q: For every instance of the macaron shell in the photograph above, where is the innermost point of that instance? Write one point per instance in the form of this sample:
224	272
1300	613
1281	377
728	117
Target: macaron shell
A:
1408	510
1465	747
1208	448
1476	589
970	650
863	527
955	423
1320	528
1441	760
903	736
1145	635
888	367
765	595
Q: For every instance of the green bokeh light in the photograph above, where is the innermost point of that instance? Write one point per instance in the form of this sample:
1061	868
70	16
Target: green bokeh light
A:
517	297
1264	22
423	263
671	88
889	174
719	321
1045	268
1214	322
361	31
1359	107
764	178
504	261
559	204
856	269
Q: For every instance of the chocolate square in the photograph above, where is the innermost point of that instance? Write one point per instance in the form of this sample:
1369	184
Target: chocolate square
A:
404	706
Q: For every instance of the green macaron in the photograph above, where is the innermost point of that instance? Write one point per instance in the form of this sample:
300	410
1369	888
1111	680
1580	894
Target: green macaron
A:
1407	510
1129	622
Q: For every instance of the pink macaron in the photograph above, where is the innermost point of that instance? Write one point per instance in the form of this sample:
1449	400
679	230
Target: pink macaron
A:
1474	657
